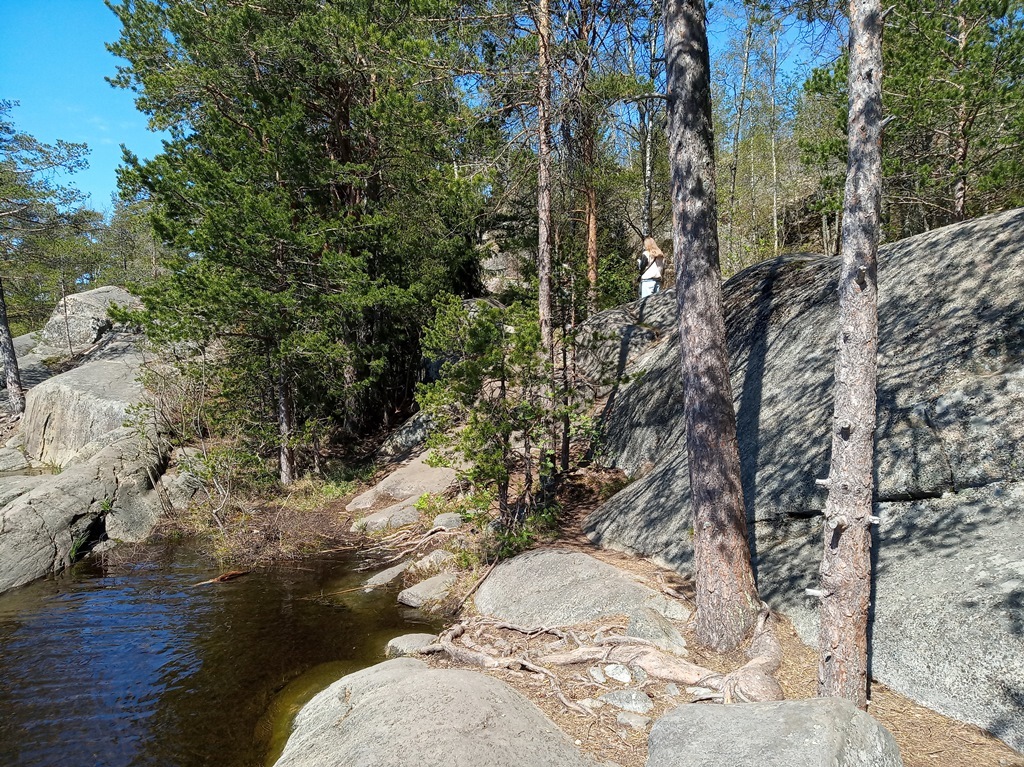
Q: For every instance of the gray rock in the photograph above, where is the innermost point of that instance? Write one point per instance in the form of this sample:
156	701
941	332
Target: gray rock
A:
635	721
651	625
64	413
84	322
14	486
672	690
384	577
629	700
597	674
435	560
433	589
403	714
449	520
618	672
408	644
950	446
407	483
556	587
807	733
397	515
182	489
62	515
17	442
12	460
406	438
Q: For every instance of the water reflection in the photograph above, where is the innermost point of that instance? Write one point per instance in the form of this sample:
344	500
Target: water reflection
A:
146	668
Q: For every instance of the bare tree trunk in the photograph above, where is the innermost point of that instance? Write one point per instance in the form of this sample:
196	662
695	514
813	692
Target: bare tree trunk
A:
727	601
846	564
774	131
740	109
590	214
15	392
544	174
286	428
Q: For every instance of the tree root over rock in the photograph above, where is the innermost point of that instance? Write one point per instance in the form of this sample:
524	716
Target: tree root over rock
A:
753	682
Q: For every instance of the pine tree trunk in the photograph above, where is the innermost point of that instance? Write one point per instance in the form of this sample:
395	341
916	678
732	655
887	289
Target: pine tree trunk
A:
846	564
726	597
544	175
590	214
734	163
15	392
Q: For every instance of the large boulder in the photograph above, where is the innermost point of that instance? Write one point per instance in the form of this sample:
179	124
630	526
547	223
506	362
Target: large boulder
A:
826	732
556	587
66	412
107	492
402	713
948	625
80	320
408	482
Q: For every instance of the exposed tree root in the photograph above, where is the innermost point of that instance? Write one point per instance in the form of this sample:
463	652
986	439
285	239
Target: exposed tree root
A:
752	682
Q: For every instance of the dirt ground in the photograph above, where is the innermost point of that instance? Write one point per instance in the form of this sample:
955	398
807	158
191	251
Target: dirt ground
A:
925	737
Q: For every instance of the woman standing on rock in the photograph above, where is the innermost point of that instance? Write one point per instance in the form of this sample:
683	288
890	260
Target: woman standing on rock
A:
652	267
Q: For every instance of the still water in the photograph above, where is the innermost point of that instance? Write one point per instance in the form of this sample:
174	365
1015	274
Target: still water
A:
140	666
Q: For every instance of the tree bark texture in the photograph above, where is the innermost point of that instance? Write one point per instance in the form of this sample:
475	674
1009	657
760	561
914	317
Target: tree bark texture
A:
544	174
15	392
846	564
726	596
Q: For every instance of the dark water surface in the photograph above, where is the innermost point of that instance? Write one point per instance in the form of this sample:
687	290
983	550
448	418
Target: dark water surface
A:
142	667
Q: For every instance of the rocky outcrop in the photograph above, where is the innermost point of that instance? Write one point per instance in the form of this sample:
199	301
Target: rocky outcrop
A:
401	712
948	625
556	587
74	422
70	410
106	492
826	732
80	320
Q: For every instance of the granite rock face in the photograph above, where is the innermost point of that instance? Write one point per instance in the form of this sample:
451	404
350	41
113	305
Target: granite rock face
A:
827	732
401	713
106	493
66	412
406	483
949	454
557	587
80	320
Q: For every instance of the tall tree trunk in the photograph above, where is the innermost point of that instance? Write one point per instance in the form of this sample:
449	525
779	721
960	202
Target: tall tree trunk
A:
544	174
775	132
590	214
846	564
735	160
727	601
15	392
286	428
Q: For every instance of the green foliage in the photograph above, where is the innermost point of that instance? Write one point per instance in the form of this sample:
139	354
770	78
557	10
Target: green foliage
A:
309	196
491	404
47	237
955	146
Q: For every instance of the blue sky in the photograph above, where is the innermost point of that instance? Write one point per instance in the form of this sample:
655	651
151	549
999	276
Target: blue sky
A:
53	61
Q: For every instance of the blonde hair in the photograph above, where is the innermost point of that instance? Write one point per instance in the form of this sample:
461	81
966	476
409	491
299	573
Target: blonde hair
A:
652	247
